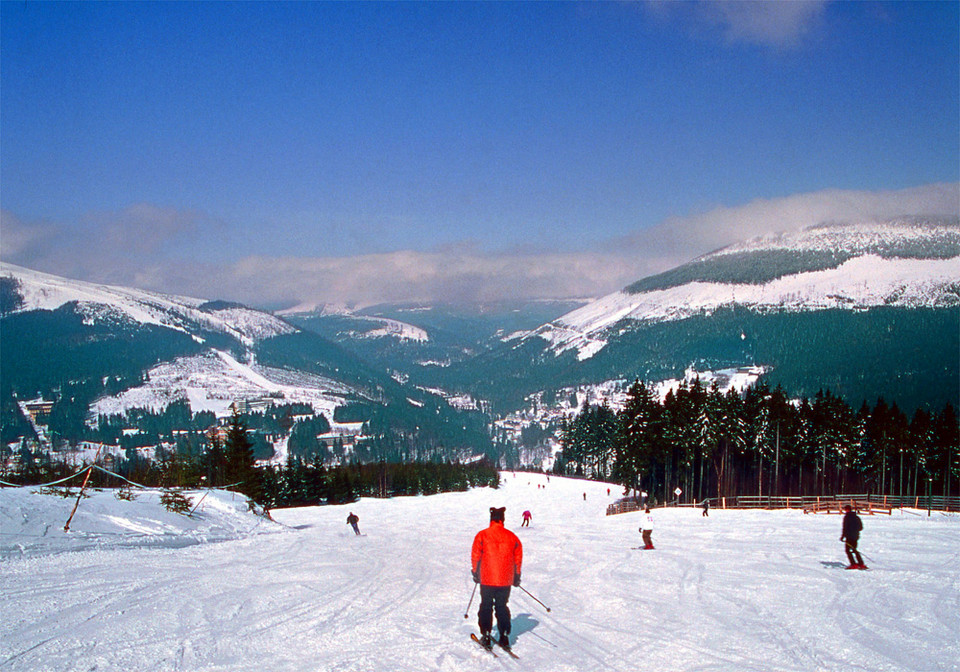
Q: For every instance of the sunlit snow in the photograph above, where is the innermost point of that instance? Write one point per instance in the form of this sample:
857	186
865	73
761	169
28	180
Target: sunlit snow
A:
737	591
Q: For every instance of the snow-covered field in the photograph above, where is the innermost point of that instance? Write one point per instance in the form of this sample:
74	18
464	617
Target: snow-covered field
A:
737	591
214	380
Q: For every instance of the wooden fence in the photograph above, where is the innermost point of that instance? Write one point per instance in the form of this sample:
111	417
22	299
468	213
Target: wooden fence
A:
866	503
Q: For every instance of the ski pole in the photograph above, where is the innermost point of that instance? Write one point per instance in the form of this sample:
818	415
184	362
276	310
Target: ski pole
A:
858	551
534	598
471	600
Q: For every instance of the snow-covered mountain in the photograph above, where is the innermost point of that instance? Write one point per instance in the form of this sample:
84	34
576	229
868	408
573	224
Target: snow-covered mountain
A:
904	263
43	291
163	348
101	351
865	310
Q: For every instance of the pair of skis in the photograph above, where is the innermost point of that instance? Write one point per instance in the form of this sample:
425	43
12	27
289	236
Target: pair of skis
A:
489	649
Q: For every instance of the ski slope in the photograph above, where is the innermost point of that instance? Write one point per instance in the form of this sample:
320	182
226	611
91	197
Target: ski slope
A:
734	592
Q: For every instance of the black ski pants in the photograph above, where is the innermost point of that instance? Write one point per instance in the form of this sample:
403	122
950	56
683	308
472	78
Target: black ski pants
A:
494	598
851	548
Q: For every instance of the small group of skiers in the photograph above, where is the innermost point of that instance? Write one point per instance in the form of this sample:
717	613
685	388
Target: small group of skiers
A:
496	558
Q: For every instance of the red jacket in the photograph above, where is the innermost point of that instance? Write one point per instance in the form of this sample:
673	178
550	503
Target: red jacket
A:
498	554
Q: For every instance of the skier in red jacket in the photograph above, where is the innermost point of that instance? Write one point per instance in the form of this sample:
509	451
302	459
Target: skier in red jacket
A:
495	560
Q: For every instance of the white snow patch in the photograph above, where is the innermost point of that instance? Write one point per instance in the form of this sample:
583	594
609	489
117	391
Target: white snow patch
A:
213	381
396	329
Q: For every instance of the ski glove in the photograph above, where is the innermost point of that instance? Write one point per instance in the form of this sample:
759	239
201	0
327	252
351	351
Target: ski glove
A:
476	577
516	579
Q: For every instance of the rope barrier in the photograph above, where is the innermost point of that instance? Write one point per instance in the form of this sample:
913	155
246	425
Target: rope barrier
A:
44	485
106	471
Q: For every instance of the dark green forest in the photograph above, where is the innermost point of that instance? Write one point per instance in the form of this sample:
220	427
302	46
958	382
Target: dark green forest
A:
911	357
712	444
228	459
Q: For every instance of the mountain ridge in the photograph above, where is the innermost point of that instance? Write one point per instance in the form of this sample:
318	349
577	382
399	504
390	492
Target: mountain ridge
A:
912	263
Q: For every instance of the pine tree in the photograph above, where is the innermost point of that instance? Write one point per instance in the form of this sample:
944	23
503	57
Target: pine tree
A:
636	439
238	454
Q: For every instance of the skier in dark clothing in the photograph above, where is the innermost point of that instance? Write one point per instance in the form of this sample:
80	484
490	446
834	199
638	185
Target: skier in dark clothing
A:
850	535
353	519
706	507
495	561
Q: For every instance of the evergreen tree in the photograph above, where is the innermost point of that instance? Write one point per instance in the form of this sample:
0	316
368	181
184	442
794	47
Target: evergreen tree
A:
238	454
637	436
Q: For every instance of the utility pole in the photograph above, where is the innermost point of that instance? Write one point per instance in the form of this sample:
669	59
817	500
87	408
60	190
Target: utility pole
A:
901	476
776	468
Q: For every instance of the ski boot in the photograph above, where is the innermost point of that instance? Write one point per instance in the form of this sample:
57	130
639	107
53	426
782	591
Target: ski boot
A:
504	640
485	640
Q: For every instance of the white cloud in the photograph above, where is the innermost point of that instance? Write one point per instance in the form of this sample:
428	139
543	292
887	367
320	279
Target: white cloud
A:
775	24
426	276
129	246
138	247
681	238
782	24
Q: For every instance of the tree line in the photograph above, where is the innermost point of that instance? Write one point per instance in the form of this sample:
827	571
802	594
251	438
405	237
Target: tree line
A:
231	462
760	442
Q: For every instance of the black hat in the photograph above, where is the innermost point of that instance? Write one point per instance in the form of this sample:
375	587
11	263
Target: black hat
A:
498	514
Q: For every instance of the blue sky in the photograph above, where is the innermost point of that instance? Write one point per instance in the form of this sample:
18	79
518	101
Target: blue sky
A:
282	153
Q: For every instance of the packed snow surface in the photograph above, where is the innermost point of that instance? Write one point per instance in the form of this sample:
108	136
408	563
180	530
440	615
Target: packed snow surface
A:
732	592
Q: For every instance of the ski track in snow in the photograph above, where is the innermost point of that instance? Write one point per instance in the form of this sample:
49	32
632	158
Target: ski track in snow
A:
734	592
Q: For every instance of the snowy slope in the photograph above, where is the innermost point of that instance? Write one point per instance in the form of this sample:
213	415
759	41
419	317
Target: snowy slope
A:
872	275
33	522
214	380
396	329
907	236
738	591
388	327
42	291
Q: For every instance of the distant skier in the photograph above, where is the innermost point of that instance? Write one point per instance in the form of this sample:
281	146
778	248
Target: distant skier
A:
527	516
495	561
706	507
353	519
646	528
850	535
584	496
